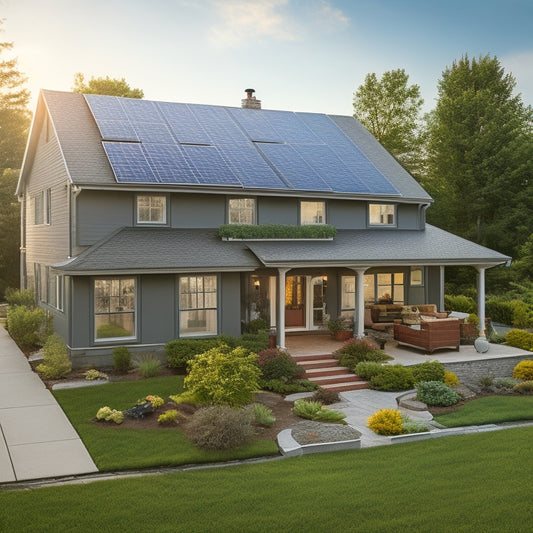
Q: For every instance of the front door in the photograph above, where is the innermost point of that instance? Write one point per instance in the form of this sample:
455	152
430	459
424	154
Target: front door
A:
304	302
318	310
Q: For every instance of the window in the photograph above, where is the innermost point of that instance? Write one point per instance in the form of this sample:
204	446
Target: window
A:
43	207
417	276
55	293
312	213
197	305
348	293
241	211
114	308
381	215
151	209
389	288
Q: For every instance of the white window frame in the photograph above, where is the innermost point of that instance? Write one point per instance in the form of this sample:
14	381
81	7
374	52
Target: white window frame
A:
381	214
151	208
242	206
199	305
315	216
42	203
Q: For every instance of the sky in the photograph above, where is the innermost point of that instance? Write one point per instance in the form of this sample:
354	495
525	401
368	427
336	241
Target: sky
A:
299	55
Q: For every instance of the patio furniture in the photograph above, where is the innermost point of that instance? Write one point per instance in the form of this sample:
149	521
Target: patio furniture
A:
430	335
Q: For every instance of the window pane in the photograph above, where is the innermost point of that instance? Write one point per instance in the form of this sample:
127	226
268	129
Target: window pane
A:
312	213
348	292
114	308
416	276
370	294
151	209
241	211
381	214
201	322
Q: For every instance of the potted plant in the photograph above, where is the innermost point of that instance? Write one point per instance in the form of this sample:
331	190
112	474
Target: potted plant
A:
340	328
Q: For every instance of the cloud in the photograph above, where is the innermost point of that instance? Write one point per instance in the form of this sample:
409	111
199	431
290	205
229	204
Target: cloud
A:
243	20
330	18
519	65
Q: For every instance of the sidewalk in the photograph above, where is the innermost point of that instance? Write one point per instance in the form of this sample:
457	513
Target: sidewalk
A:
36	438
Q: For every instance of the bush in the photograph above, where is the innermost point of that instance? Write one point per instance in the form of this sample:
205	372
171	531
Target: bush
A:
506	383
526	387
169	418
110	415
220	427
356	350
519	339
121	359
428	371
412	426
224	375
386	422
277	364
326	397
256	325
436	393
253	342
56	363
25	325
393	378
521	314
147	364
281	387
156	401
523	370
185	397
263	414
276	231
180	351
368	369
450	379
24	297
316	411
460	303
94	374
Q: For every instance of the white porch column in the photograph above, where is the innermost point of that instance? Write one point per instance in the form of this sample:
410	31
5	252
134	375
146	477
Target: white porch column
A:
359	315
281	306
481	299
441	290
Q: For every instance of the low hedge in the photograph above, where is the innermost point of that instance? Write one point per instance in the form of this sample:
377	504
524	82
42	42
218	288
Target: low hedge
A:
519	339
276	231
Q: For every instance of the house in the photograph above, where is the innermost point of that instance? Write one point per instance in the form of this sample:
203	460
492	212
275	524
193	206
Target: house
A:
122	201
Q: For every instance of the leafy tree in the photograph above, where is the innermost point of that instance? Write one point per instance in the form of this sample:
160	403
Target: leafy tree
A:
107	85
480	158
10	231
390	109
14	114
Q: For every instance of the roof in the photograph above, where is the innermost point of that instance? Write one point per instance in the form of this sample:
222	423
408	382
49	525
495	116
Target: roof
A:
143	250
108	141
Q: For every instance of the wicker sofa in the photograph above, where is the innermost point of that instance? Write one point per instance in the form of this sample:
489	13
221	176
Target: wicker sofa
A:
430	335
382	316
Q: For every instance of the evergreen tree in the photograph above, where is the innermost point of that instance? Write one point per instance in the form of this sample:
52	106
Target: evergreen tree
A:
480	163
107	85
9	231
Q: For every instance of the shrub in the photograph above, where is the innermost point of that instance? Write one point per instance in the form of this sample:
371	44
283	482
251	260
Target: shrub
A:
253	342
386	422
147	364
356	350
169	418
23	297
506	383
368	369
316	411
121	359
450	379
25	325
460	303
393	378
224	376
56	363
276	231
277	364
220	427
499	311
521	314
180	351
472	319
185	397
526	387
412	426
428	371
523	370
326	397
486	382
519	339
263	414
156	401
256	325
436	393
281	387
94	374
110	415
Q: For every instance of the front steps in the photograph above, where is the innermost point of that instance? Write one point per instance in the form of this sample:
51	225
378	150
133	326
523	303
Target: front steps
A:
324	370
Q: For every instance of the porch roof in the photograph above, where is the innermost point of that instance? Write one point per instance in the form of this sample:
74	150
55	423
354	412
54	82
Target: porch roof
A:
352	248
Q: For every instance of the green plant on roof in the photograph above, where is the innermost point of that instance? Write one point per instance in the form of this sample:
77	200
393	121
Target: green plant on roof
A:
276	231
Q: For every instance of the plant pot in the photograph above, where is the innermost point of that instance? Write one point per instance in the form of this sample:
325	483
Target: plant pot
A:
342	335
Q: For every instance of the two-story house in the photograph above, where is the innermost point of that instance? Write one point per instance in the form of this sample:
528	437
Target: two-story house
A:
122	200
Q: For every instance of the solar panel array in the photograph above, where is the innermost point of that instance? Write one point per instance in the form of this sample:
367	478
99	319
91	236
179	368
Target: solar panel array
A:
190	144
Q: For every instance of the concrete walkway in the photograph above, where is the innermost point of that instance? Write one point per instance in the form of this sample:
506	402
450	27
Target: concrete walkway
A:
36	438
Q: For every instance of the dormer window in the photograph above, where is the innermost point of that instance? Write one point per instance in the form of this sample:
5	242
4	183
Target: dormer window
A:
382	215
152	209
312	212
241	211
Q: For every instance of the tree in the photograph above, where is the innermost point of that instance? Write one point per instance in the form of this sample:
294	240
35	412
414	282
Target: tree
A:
390	109
14	114
480	162
10	232
107	85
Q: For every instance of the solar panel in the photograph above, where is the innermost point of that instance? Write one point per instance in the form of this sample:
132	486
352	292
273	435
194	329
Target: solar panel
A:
209	165
168	163
183	123
116	130
158	133
128	162
218	124
256	125
293	168
294	130
141	110
105	107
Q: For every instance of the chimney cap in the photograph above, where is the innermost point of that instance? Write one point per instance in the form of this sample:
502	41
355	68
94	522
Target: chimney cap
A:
249	90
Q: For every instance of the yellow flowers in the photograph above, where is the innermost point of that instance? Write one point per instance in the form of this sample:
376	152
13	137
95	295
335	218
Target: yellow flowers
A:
156	401
386	422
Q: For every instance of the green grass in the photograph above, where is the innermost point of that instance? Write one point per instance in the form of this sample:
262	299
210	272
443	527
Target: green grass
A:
490	410
116	448
469	483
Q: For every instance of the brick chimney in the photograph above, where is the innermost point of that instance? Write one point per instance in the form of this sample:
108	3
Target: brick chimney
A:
250	102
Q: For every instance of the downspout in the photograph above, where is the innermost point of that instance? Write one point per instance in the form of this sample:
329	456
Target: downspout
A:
22	258
422	215
74	191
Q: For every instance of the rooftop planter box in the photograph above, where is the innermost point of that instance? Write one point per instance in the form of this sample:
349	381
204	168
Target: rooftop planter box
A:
276	232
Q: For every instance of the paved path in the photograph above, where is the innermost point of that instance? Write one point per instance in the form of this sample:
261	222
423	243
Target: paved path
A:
36	438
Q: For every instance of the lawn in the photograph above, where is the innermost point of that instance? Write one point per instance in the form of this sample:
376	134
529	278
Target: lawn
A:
469	483
489	410
116	448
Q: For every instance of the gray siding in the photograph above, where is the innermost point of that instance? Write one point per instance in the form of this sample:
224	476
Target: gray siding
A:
81	312
157	308
99	213
272	210
408	216
197	211
433	285
346	214
230	304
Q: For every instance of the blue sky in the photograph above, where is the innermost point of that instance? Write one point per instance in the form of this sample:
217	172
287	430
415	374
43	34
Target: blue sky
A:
300	55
